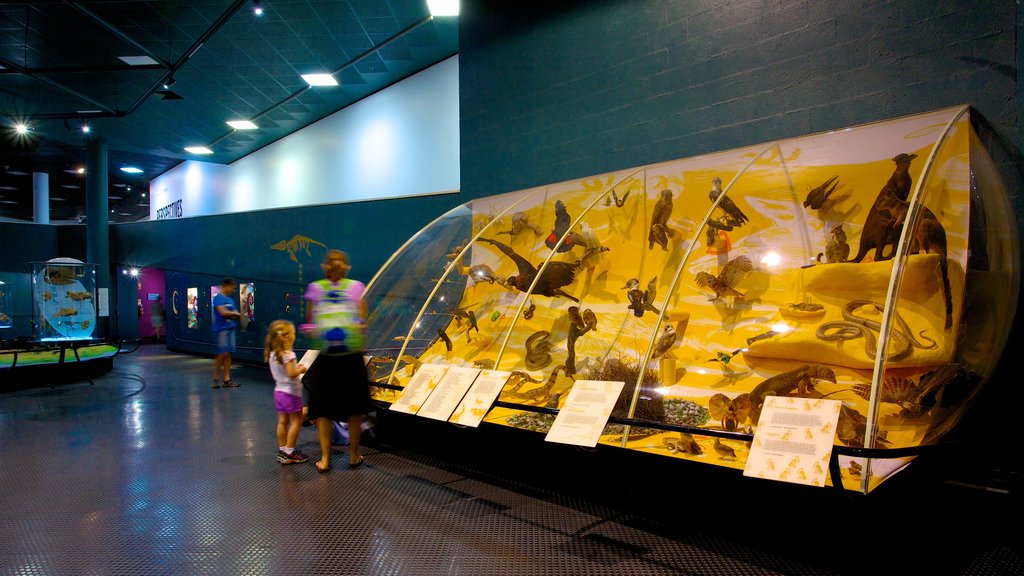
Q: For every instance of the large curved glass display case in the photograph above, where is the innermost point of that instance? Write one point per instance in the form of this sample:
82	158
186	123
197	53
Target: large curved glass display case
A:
875	265
64	298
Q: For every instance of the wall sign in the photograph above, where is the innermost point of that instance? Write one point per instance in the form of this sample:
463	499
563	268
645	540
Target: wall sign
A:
172	210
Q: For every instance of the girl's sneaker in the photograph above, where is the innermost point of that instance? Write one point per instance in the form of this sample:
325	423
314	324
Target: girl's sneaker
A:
295	457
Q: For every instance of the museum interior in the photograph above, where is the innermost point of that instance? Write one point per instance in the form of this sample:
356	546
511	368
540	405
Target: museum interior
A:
625	266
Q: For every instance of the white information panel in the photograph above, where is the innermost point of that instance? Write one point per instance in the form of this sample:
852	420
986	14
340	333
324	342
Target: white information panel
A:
448	392
585	413
418	388
307	360
793	441
481	395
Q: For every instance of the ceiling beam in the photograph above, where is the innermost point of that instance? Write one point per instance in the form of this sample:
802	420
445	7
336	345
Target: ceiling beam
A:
13	66
115	31
213	29
84	69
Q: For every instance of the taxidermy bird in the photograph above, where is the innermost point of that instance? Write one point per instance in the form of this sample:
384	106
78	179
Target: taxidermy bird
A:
483	273
725	357
736	217
554	276
816	198
665	342
520	223
641	300
688	444
725	452
734	271
619	202
562	222
660	232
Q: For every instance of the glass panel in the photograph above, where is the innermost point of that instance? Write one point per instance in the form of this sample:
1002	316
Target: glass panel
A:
64	297
398	292
927	382
6	311
779	289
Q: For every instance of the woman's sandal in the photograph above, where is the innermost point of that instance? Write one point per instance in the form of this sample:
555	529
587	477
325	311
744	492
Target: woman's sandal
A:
357	464
323	469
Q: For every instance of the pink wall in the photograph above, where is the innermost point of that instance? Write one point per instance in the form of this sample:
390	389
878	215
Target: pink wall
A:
152	281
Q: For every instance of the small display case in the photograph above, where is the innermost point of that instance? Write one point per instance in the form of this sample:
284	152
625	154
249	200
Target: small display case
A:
6	311
64	299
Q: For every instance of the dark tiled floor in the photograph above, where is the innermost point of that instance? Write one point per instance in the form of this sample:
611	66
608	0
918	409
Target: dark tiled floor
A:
152	472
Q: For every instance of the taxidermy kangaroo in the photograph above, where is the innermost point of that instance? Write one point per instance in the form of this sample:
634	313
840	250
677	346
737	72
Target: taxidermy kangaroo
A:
929	235
879	229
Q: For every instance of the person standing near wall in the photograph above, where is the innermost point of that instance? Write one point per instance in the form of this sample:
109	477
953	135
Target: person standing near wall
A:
156	317
338	385
225	312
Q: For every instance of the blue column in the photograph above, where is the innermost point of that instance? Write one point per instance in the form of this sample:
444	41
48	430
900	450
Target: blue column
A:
97	233
41	197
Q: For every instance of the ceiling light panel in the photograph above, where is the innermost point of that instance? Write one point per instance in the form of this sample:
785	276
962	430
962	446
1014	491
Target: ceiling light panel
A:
137	60
320	79
242	124
198	150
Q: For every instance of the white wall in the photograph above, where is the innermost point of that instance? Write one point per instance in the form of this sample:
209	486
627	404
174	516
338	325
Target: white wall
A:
401	141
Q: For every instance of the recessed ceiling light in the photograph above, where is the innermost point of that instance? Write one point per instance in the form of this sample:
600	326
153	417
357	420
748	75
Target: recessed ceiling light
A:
7	188
242	124
21	128
88	111
126	214
137	60
119	185
17	173
257	8
71	186
55	199
320	79
443	7
198	150
142	204
115	197
7	202
131	169
80	171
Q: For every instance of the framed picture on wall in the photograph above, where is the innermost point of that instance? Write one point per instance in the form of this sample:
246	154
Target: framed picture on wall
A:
247	305
192	297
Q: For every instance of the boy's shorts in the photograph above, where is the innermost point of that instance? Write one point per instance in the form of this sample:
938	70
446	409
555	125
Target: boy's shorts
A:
225	341
286	403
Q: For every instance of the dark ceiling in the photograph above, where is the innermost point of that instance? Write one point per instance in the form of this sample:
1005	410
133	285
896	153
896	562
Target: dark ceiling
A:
59	68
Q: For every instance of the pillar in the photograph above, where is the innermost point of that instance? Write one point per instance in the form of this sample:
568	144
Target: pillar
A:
97	233
41	197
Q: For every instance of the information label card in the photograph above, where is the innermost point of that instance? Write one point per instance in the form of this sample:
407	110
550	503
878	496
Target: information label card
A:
794	439
307	360
481	395
585	413
418	388
448	392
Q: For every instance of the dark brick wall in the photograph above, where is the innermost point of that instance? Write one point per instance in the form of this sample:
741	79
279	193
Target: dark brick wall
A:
588	87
